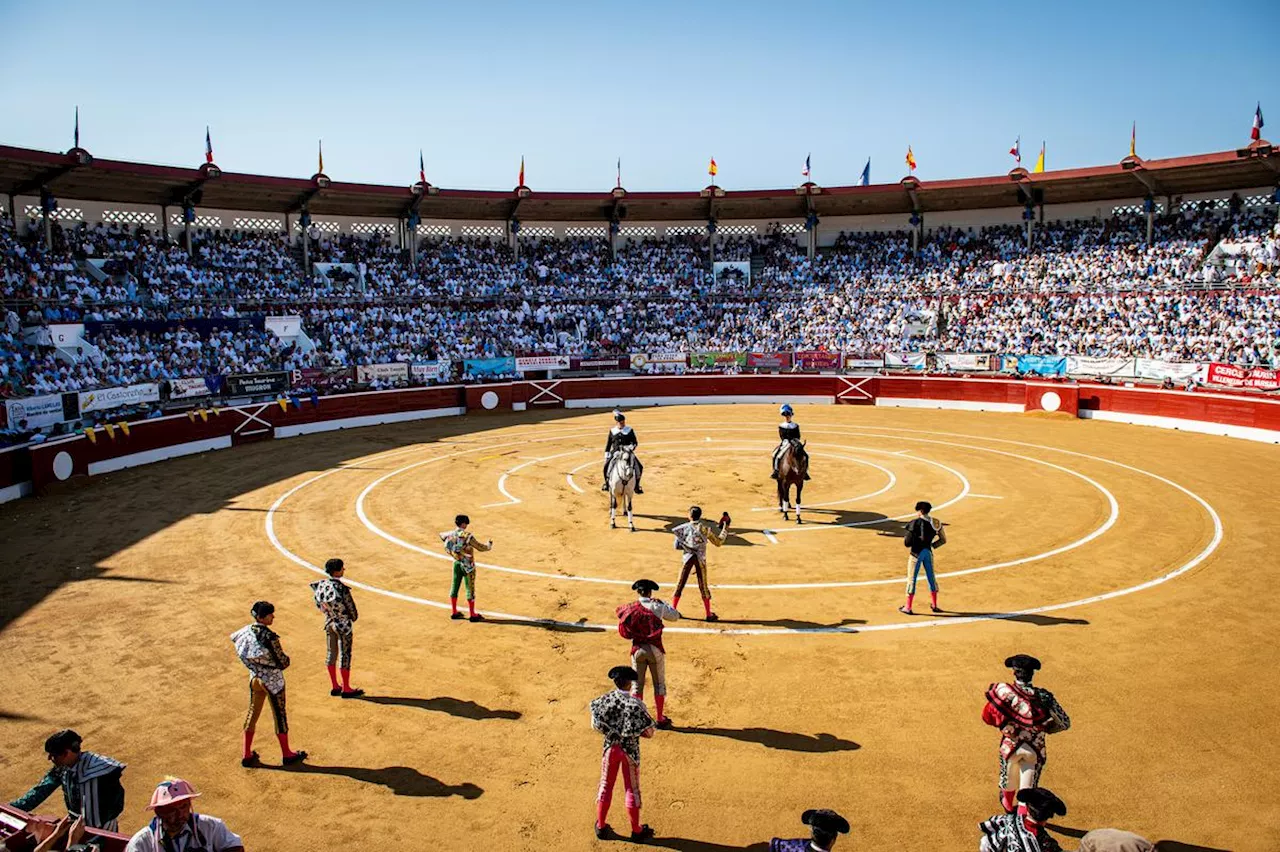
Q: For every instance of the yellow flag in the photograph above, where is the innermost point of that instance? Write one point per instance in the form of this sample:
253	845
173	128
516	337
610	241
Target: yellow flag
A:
111	430
89	433
191	415
124	427
284	404
1040	160
320	150
204	415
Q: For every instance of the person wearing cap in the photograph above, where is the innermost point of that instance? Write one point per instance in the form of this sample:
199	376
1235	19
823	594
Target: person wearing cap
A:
1025	715
924	534
824	827
1024	831
623	720
462	546
621	437
90	782
691	541
177	828
641	622
788	430
333	598
258	647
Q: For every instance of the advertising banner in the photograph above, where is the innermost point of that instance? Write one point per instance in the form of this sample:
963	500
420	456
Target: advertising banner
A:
1232	376
863	362
819	360
529	363
290	326
106	398
488	366
1083	365
777	360
1043	365
641	360
38	411
965	362
1179	371
429	371
395	372
322	378
907	360
188	388
253	384
717	359
622	362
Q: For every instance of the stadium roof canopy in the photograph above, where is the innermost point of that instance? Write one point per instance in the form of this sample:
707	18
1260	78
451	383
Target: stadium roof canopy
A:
76	175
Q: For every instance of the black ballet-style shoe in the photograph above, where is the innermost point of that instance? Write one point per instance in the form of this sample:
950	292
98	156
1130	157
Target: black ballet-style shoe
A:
335	691
251	760
457	616
639	490
295	758
604	832
645	833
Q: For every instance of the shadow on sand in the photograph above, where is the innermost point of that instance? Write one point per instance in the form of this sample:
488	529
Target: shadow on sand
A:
401	780
781	740
444	704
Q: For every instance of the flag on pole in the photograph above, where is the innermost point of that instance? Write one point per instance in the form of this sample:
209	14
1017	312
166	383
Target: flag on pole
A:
865	179
422	168
77	126
320	149
805	170
911	159
1133	140
619	183
520	182
1040	160
208	145
1258	123
713	169
1016	150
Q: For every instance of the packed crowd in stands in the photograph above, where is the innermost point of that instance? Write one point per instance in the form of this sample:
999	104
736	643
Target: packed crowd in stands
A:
1087	287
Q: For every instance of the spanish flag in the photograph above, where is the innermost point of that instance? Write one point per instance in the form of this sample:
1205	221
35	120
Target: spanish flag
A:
520	181
911	160
320	144
1040	160
713	169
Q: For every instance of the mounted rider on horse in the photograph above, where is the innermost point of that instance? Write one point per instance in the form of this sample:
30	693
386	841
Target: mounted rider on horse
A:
789	432
621	437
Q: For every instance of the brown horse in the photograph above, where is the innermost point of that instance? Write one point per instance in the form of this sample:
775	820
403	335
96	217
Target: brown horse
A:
792	467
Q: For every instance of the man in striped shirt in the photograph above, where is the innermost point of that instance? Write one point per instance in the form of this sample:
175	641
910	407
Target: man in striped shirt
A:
90	782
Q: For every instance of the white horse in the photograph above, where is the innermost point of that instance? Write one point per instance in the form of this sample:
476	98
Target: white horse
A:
622	485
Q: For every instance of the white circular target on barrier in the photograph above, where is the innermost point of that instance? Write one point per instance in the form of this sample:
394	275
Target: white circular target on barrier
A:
62	465
1050	401
489	400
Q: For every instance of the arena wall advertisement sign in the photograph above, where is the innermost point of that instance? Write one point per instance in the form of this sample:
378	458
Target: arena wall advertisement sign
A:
1083	365
189	388
103	399
1232	376
909	360
777	360
1153	368
861	362
322	378
488	366
641	360
966	362
601	364
1043	365
717	359
429	371
542	362
397	371
252	384
819	360
38	411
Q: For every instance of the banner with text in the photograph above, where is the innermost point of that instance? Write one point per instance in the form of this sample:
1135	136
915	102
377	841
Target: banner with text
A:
253	384
322	378
429	371
1043	365
907	360
863	362
1179	371
965	362
1232	376
620	362
189	388
529	363
488	366
397	371
106	398
1084	365
38	411
819	360
776	360
709	360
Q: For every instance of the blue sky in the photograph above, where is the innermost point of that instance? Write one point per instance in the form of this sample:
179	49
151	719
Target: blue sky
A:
664	85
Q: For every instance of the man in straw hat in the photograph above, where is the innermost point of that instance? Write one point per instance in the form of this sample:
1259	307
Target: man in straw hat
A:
177	828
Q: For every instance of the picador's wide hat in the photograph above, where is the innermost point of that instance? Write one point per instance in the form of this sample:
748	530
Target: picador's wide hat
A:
643	586
825	820
1042	804
1022	661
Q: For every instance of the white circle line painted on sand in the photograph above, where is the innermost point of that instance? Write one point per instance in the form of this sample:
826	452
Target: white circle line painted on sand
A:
502	480
363	516
1196	560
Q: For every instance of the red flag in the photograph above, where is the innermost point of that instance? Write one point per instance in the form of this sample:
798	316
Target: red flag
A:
713	169
911	159
521	181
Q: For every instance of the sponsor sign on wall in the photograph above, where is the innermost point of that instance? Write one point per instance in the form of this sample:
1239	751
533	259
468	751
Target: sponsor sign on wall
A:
489	366
394	372
1232	376
1083	365
103	399
777	360
863	362
819	360
908	360
965	362
253	384
622	362
429	371
38	411
1180	371
529	363
1043	365
322	378
717	359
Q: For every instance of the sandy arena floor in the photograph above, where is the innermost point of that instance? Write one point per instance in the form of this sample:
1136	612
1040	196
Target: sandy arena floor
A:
1138	559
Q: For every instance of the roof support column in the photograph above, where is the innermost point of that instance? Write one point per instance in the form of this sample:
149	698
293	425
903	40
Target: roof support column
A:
1029	216
188	216
304	234
48	205
13	220
513	230
1149	207
711	245
917	228
614	228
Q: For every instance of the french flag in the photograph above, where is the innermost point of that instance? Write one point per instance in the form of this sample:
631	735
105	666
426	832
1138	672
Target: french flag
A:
208	146
1016	150
805	170
1258	123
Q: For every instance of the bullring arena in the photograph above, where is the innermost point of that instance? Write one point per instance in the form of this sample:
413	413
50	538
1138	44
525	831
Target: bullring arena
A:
1132	560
